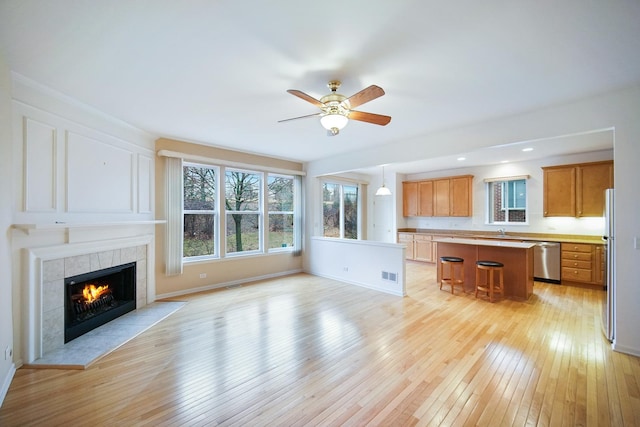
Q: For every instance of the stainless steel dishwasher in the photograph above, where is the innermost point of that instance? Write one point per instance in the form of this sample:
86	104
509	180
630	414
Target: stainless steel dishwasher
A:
546	262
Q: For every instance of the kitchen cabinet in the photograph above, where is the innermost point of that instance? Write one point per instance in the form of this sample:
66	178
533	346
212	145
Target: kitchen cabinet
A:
582	263
422	248
591	181
425	198
419	246
407	239
576	190
460	196
410	198
450	196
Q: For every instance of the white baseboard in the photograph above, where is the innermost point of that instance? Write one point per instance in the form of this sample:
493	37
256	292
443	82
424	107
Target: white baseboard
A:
362	284
626	350
7	382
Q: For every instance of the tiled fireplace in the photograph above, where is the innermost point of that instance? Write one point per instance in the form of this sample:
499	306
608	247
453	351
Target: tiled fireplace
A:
48	267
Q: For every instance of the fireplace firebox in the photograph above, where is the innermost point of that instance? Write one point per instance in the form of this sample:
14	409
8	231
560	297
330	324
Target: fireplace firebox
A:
95	298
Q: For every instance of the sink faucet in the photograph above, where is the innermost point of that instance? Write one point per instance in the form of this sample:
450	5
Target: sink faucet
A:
502	231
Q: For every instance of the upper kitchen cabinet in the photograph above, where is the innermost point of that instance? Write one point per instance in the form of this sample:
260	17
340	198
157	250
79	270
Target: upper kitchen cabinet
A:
450	196
410	198
460	194
576	190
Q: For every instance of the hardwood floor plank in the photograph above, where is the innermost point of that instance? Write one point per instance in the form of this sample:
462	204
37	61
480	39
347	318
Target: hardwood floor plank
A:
305	350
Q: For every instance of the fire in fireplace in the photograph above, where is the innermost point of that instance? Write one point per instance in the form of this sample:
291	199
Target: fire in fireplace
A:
96	298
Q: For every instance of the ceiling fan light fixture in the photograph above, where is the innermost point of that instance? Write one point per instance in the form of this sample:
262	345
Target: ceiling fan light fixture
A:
334	121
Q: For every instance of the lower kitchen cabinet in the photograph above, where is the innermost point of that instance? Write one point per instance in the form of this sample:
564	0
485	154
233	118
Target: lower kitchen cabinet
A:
407	239
419	246
422	248
582	263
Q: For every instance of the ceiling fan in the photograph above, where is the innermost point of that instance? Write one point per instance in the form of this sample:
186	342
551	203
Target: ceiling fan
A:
337	108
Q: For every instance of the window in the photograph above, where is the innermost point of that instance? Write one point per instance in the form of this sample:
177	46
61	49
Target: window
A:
243	211
340	210
507	200
199	211
230	212
281	208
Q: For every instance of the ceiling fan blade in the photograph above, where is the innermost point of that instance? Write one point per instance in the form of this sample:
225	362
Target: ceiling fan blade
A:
306	97
365	95
376	119
301	117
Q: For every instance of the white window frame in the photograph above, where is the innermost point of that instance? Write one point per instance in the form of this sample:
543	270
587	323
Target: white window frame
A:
360	201
269	213
489	200
259	212
215	212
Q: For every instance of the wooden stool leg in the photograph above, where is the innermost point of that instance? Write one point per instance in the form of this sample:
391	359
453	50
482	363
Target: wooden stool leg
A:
452	275
491	285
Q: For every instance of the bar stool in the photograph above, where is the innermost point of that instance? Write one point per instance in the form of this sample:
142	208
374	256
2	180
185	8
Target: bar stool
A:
489	286
450	279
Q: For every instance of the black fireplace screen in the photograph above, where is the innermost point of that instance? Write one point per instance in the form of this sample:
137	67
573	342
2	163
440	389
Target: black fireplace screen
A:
95	298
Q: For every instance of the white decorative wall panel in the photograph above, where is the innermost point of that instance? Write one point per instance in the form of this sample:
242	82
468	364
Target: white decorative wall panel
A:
39	166
144	184
99	176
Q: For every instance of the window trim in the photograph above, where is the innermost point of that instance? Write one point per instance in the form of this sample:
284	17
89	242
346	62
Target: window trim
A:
259	212
268	213
216	215
489	200
360	200
221	217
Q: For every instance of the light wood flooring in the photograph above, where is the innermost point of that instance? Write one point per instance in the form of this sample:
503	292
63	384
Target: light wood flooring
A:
304	350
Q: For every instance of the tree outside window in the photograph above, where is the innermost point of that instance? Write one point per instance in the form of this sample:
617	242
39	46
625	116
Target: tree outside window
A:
243	211
340	210
199	211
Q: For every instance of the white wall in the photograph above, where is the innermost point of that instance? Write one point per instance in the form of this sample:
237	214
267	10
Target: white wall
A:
79	176
617	110
360	262
7	367
537	223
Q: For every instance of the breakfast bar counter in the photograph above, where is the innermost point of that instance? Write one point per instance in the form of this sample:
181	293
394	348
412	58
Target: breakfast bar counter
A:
517	258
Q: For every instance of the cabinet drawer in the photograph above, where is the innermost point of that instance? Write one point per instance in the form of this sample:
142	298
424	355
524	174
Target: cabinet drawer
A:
576	264
576	256
576	274
577	247
404	238
421	237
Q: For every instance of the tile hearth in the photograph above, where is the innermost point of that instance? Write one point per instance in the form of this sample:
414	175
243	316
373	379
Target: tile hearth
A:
86	349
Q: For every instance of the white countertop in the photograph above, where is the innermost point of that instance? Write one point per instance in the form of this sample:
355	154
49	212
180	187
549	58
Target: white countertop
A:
485	242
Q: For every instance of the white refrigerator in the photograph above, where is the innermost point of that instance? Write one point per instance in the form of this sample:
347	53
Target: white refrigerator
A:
609	307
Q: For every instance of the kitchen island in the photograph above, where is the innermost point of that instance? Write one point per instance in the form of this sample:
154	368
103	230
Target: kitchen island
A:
517	258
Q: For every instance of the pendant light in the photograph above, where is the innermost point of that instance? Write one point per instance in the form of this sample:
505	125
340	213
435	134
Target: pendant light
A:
383	191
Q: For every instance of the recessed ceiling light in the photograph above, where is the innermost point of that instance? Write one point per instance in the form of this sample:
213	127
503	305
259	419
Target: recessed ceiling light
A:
461	158
527	149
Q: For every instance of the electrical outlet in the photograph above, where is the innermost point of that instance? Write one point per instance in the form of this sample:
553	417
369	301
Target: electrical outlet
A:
8	353
203	275
345	269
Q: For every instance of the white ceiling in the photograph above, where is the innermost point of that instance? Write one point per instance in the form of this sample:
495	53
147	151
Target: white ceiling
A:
217	72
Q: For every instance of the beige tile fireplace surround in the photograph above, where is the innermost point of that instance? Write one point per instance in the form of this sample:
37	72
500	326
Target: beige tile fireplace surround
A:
47	268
